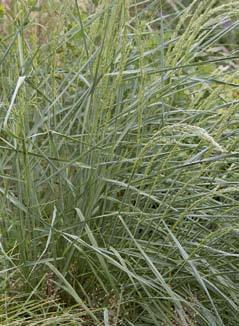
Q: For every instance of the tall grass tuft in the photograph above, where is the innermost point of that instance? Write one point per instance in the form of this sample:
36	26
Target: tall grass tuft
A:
119	163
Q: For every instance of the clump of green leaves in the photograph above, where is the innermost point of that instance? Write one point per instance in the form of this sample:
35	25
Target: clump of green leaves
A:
119	193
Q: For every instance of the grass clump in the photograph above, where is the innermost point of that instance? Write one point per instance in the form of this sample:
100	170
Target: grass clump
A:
119	151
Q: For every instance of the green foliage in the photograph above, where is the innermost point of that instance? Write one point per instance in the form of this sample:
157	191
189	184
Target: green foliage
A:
119	164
